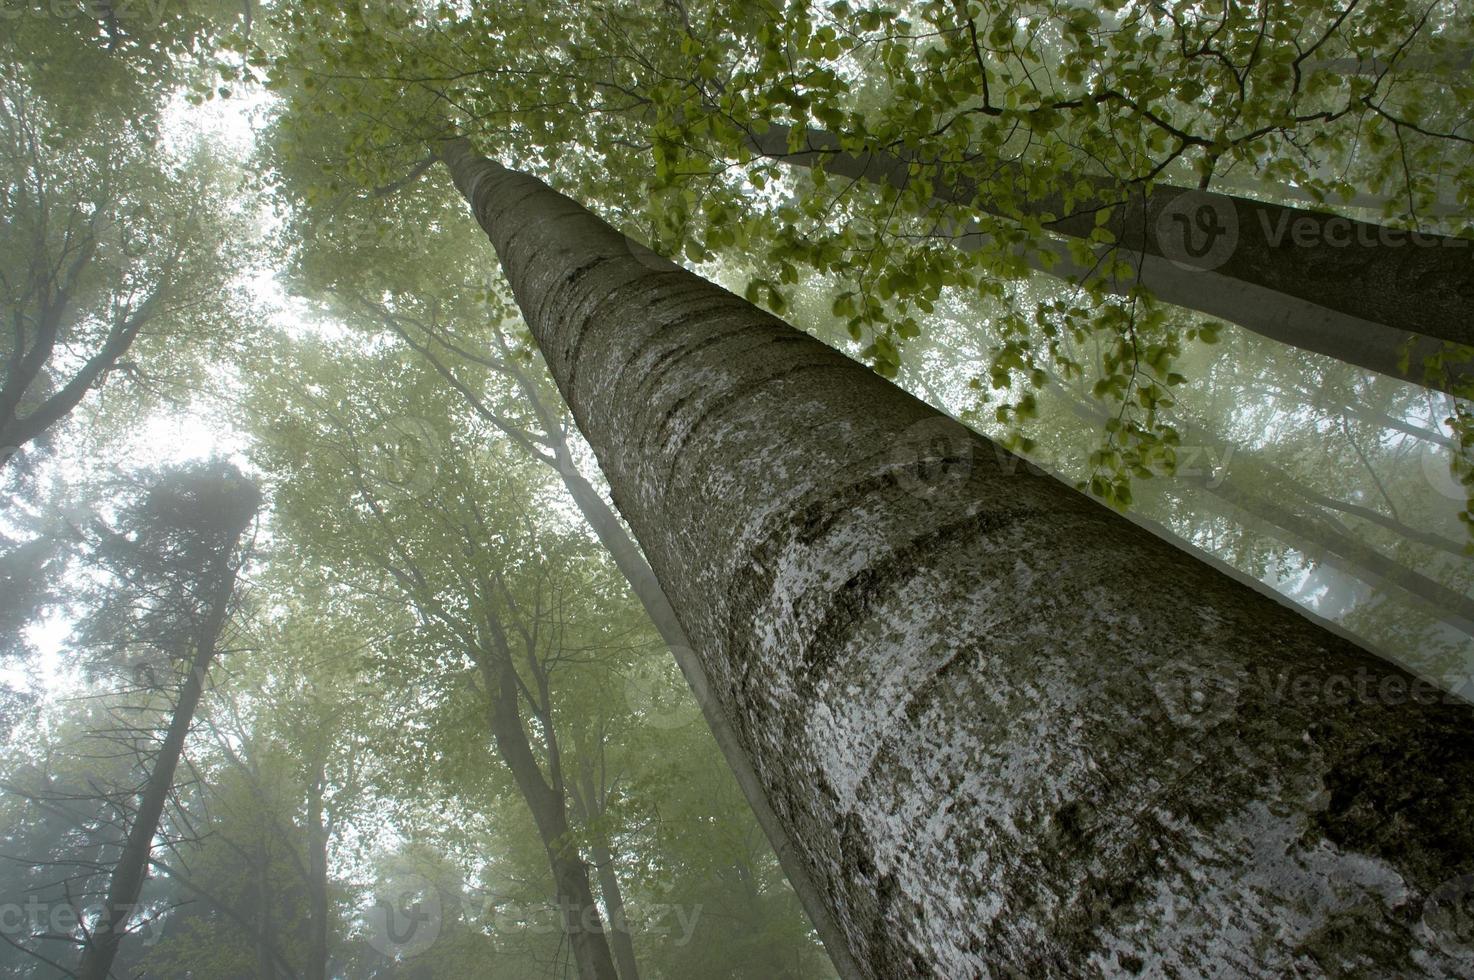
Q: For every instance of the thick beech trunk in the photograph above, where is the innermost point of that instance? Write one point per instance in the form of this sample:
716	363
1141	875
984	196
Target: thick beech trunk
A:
126	882
1362	293
1004	728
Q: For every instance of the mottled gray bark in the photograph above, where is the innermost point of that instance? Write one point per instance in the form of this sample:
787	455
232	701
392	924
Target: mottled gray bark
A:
1359	292
1006	729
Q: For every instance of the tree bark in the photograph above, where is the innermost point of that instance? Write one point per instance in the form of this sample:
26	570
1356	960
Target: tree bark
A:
1359	292
968	707
126	882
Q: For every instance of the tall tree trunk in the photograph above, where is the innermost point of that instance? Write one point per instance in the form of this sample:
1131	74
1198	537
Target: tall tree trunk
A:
1006	729
582	923
126	882
317	867
589	808
1359	292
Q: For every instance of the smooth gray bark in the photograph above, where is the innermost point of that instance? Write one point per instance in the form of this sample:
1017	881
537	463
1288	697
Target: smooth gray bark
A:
1005	729
1359	292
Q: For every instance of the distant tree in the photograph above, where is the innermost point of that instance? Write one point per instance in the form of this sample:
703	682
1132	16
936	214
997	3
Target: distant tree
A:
117	245
172	557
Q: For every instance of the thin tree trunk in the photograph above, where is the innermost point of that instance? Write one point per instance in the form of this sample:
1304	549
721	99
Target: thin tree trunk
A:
589	809
582	923
1006	729
619	927
317	866
1318	538
1359	292
126	882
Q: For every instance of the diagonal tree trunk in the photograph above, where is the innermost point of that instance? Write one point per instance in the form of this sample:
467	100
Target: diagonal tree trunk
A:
588	806
548	806
129	874
1362	293
1310	530
1006	729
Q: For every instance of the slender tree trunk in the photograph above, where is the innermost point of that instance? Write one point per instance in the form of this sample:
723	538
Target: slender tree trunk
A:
317	867
1363	561
128	875
265	964
1362	293
1006	729
619	927
582	923
589	809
